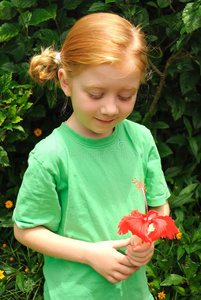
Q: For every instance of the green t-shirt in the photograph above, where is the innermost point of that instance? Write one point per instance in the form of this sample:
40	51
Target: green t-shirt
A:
81	188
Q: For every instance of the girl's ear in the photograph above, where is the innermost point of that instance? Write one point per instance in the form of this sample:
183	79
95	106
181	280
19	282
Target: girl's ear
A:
64	82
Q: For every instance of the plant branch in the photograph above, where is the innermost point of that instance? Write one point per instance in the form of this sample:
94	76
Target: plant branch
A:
163	76
170	5
3	132
155	68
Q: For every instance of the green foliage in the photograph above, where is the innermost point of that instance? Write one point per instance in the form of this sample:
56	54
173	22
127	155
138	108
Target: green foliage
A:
168	103
175	267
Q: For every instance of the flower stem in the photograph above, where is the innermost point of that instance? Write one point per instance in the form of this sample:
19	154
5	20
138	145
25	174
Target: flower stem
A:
141	186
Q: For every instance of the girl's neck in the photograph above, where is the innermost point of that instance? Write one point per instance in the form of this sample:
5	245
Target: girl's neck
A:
82	130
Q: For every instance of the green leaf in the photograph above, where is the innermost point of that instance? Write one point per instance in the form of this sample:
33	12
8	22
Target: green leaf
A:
179	214
8	125
7	3
151	38
5	12
98	6
39	15
188	189
24	3
196	235
190	268
177	104
163	149
10	67
150	271
16	119
12	111
25	18
188	126
151	3
188	81
193	145
71	5
161	125
162	3
8	31
157	282
47	36
3	115
9	270
177	139
197	118
195	247
180	290
173	171
180	200
180	252
192	16
5	82
20	281
52	9
7	223
18	127
172	279
51	98
4	160
19	52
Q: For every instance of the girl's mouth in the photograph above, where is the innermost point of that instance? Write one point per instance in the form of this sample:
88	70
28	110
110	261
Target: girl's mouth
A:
105	121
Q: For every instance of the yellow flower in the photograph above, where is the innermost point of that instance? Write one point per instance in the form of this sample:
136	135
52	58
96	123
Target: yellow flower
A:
26	270
179	235
38	132
151	283
4	245
1	274
161	295
8	204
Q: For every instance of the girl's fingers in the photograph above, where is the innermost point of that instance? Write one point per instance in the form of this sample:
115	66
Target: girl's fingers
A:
140	256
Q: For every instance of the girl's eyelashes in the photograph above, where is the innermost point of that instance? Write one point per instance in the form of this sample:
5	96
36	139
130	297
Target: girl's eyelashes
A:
99	96
123	98
95	96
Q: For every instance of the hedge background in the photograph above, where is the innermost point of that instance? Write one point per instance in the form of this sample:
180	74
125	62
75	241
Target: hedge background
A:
169	103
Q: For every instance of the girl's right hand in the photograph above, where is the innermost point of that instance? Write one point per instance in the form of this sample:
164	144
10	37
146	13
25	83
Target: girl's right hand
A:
111	264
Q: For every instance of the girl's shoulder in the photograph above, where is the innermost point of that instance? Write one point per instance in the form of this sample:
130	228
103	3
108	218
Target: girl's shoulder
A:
136	130
50	149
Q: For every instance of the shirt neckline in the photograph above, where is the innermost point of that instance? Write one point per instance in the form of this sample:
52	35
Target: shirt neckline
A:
89	142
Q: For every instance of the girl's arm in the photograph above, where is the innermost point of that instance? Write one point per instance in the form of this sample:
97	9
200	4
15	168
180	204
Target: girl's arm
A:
163	210
102	256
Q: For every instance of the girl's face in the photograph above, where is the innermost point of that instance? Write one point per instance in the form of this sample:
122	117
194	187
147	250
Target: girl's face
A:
102	96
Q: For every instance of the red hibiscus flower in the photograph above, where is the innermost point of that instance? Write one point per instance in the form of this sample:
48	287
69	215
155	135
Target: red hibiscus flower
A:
150	226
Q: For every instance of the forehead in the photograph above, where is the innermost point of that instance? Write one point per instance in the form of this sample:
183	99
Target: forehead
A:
125	76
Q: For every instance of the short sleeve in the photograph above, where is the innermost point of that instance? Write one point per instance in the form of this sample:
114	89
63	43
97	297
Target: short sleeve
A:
37	202
157	190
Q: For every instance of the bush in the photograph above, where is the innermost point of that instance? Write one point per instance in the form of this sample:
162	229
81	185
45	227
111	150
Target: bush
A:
169	104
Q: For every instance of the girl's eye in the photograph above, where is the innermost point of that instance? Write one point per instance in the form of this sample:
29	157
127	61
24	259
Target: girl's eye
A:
94	96
124	98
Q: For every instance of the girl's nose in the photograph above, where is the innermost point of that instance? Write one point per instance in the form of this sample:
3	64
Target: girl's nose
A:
109	107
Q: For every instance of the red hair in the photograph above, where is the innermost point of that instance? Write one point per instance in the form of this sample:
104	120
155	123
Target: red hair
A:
94	39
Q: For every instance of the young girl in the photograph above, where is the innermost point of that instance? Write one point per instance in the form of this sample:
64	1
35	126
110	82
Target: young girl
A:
78	184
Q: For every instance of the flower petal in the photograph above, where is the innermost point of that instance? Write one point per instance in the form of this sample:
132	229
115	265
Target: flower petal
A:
164	228
136	223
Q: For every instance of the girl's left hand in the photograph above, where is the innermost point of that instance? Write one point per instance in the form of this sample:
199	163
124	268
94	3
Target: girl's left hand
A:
140	254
